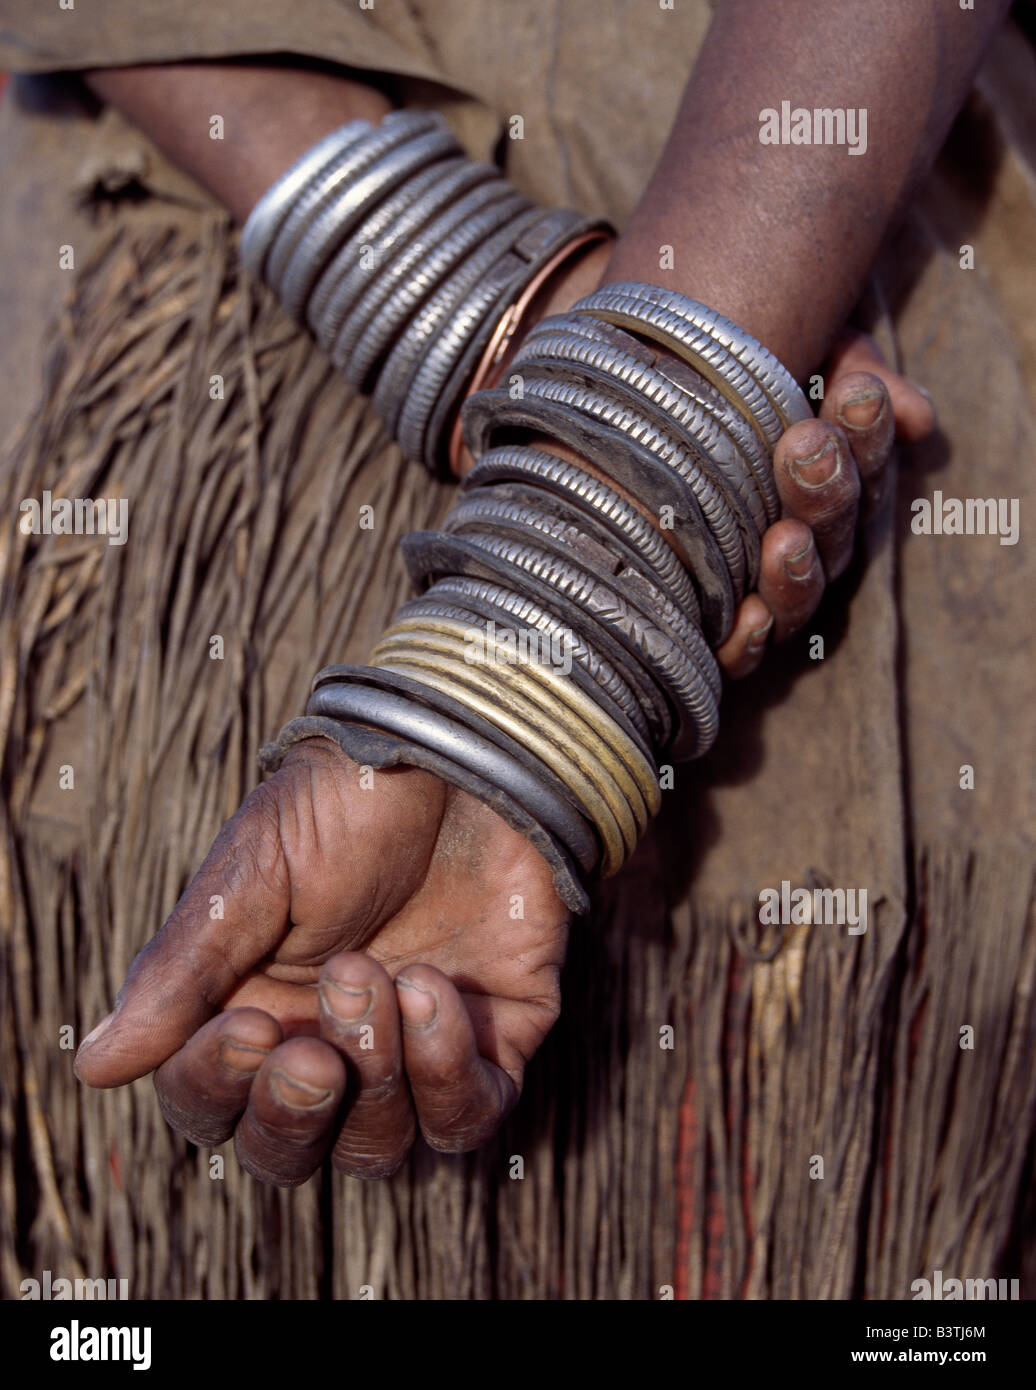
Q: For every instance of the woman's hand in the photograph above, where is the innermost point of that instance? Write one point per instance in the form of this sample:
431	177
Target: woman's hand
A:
359	957
832	474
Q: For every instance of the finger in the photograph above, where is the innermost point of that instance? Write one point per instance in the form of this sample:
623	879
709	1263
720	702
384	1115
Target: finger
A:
203	1089
791	578
818	484
460	1096
912	406
746	643
230	917
859	402
359	1016
289	1123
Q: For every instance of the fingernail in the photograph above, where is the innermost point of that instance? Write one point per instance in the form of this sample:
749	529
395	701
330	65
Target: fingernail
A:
102	1027
798	566
344	1002
241	1057
417	1004
757	638
862	411
298	1094
816	470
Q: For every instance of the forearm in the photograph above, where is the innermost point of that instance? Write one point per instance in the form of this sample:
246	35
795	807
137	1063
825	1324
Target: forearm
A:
271	116
780	237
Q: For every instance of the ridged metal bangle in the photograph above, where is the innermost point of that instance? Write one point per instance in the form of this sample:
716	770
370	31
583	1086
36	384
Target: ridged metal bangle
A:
406	282
266	218
556	348
403	716
604	812
460	594
560	697
695	345
333	224
622	459
522	463
771	374
387	230
423	330
328	187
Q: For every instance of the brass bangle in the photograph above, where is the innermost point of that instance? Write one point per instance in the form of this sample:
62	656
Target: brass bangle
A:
571	760
562	699
439	674
591	754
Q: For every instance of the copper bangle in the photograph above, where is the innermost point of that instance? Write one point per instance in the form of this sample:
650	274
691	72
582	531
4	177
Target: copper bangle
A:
510	322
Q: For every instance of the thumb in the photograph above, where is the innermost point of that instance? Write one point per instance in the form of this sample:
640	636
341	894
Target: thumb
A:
912	406
232	914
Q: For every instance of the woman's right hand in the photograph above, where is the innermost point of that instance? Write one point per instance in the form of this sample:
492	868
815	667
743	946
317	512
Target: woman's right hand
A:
358	958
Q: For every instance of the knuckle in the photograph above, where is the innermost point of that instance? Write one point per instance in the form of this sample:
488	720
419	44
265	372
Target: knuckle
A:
372	1164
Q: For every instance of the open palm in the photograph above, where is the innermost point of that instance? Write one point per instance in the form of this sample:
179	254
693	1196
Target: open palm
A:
358	957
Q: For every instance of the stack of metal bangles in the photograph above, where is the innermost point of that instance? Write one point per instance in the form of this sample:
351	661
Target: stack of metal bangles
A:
562	647
410	263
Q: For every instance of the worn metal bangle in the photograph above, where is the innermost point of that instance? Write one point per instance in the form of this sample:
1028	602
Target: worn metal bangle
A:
389	230
771	374
687	685
700	410
402	715
640	472
557	696
695	345
601	507
329	228
537	246
329	187
424	331
727	518
603	811
265	219
463	596
405	283
561	354
519	508
511	323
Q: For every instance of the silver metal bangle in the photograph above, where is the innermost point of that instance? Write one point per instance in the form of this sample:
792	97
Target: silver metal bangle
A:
522	462
396	129
407	281
738	543
334	223
570	340
771	374
399	715
423	329
711	358
387	230
693	686
265	219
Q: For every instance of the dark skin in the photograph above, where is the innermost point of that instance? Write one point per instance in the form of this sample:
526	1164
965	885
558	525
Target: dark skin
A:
388	903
